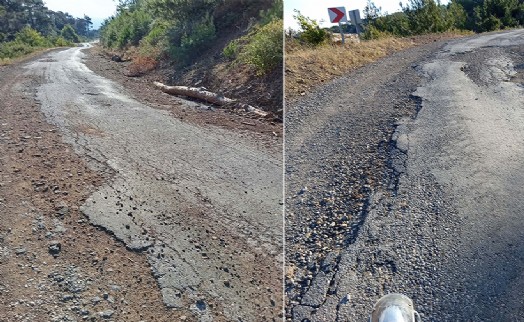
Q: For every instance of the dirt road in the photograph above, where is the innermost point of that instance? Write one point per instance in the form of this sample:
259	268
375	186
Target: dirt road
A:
406	176
197	208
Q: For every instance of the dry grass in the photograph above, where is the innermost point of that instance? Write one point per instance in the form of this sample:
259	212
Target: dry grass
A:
141	65
308	67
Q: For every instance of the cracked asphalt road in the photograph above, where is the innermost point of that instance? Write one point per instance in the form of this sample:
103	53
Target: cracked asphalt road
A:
203	204
432	140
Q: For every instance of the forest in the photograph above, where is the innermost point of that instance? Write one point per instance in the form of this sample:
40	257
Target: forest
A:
28	25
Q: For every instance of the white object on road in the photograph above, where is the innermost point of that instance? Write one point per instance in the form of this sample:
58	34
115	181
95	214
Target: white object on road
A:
394	307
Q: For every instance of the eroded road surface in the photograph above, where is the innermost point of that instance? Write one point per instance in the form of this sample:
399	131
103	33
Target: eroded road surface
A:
202	204
432	142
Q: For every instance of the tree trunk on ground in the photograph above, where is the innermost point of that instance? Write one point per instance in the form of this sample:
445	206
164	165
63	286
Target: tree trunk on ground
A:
209	97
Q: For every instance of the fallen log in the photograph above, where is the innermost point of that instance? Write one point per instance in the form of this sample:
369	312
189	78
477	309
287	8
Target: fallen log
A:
209	97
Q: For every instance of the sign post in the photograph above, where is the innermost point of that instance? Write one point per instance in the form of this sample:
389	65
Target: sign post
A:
338	15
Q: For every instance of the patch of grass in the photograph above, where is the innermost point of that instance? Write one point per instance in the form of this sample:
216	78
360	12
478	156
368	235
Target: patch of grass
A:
5	61
309	66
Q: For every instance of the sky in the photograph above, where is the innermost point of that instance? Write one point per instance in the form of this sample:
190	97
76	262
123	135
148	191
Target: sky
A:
317	10
97	10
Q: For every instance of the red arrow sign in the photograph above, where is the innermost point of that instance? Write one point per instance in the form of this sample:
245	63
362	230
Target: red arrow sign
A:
337	14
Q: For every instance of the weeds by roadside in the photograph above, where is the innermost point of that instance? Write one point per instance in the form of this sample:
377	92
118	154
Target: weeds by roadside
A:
309	66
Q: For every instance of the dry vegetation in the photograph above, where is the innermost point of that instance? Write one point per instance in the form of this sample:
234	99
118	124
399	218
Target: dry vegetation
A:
307	66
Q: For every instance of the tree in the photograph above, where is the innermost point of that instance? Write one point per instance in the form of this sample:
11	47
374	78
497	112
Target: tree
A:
425	16
69	34
456	15
497	14
371	12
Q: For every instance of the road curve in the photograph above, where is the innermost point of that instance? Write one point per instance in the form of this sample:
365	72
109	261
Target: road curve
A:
202	203
444	224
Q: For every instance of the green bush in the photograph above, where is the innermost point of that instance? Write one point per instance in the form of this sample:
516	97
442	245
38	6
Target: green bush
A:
31	37
264	48
157	35
185	44
62	42
311	32
232	49
275	12
26	41
69	34
372	32
126	29
14	49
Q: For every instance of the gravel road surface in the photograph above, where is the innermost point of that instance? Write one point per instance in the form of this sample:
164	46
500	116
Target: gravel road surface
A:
406	176
202	204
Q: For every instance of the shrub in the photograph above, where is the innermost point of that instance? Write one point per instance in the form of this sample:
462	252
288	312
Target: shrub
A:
69	34
62	42
372	32
187	43
264	48
31	37
311	32
26	41
14	49
157	35
232	49
126	29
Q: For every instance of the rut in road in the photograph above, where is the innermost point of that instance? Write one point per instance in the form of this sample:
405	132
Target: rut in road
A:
203	204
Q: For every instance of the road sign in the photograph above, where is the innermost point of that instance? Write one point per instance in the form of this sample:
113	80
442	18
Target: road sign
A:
337	14
354	17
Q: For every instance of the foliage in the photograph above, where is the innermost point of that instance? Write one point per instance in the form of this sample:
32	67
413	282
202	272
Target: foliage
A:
426	16
498	14
31	38
69	34
14	49
274	13
232	49
185	42
311	32
262	47
429	16
264	50
396	24
27	41
182	30
126	29
16	15
61	42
